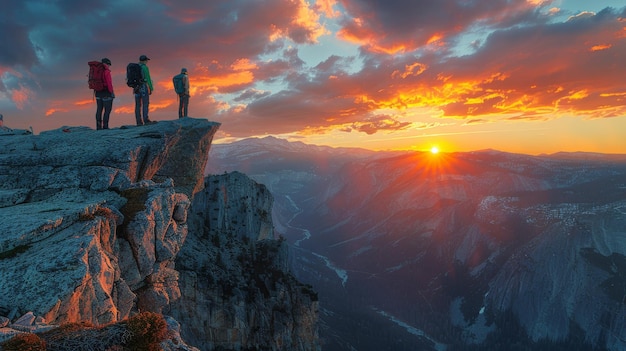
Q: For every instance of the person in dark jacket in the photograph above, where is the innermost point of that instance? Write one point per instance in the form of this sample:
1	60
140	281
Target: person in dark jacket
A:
104	98
183	98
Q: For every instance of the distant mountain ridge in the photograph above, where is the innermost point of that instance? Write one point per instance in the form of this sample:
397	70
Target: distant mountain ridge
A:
469	249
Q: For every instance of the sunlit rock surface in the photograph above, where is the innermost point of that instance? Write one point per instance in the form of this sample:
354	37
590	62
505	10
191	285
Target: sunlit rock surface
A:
92	224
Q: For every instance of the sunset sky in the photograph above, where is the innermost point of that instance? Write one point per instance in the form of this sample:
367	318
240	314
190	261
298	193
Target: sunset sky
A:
524	76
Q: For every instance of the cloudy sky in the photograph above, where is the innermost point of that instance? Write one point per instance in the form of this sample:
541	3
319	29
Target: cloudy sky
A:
528	76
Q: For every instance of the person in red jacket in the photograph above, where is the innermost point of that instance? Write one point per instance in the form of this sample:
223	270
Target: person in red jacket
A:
104	98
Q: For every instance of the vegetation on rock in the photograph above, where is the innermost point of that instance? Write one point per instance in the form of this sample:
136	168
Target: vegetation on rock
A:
24	342
142	332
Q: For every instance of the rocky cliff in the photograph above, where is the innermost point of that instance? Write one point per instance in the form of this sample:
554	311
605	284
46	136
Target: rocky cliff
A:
237	292
95	225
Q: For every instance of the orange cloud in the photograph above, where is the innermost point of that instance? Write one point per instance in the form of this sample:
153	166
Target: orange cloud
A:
355	32
304	27
308	19
538	2
20	96
52	111
125	109
243	64
613	94
83	102
160	104
601	47
437	37
155	105
554	11
239	73
578	95
413	69
229	79
327	8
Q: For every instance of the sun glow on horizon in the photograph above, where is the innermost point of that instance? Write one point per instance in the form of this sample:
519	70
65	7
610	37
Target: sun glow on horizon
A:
434	150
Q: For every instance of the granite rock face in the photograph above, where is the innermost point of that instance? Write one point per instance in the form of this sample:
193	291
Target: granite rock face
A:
93	222
236	288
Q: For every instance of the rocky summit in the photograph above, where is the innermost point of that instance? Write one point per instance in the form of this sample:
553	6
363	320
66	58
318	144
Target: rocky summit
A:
97	226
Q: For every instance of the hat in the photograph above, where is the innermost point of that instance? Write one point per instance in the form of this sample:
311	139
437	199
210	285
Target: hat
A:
107	61
143	58
184	70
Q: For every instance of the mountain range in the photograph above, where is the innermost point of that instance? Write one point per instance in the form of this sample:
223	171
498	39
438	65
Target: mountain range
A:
481	250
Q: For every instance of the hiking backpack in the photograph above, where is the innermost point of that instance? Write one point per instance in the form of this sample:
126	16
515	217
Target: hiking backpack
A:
179	86
134	76
96	76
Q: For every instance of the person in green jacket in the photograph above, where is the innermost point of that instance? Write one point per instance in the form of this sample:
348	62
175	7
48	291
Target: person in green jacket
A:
143	92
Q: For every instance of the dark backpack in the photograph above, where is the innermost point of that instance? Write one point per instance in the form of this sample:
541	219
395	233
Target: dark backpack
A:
96	76
134	76
179	86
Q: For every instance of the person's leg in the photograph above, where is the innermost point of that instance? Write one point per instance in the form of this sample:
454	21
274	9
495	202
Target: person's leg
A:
108	106
186	106
99	106
181	99
146	107
138	109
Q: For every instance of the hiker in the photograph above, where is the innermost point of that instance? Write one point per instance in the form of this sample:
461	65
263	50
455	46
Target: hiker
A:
181	87
143	92
104	98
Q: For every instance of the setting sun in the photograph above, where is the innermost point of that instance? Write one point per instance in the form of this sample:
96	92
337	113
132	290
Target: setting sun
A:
434	150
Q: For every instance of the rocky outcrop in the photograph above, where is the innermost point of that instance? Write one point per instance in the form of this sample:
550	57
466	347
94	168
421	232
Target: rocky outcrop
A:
93	222
236	289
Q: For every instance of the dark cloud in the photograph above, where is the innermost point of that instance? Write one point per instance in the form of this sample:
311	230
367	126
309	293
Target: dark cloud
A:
17	49
375	124
407	25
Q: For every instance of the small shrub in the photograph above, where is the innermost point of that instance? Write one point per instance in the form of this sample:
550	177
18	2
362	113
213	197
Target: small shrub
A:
24	342
62	331
147	331
85	336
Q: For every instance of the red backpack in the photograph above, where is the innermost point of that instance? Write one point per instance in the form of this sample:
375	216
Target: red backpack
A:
96	76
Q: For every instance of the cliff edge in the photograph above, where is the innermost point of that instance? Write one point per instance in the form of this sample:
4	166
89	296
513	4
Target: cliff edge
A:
94	223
